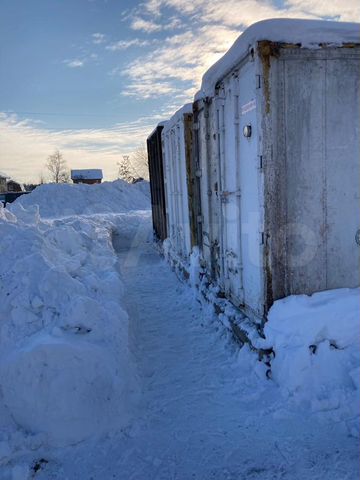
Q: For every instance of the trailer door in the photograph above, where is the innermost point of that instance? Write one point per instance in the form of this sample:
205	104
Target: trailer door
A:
240	190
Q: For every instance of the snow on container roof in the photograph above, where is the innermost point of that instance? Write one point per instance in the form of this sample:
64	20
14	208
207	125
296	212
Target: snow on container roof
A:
91	174
188	108
306	33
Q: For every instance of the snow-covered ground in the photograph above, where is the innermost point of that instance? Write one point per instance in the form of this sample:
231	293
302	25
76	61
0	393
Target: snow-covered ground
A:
68	199
110	367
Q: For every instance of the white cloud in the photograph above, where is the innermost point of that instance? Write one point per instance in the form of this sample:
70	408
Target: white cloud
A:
344	10
98	38
25	146
76	63
181	58
124	44
245	12
148	89
145	25
208	29
149	26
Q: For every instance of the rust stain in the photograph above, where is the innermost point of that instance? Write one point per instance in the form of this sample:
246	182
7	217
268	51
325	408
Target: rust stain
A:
267	50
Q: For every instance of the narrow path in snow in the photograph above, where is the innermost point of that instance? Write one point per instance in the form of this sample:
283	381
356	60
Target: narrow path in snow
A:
204	413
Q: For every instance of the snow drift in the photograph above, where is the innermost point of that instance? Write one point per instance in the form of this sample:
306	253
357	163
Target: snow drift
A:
65	363
60	200
316	340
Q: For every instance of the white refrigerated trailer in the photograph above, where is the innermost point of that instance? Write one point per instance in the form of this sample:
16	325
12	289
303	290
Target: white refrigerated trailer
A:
277	147
181	183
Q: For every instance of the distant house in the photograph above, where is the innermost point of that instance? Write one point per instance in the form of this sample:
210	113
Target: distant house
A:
87	176
13	186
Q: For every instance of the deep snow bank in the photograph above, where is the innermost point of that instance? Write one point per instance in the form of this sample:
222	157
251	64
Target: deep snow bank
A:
317	352
65	362
59	200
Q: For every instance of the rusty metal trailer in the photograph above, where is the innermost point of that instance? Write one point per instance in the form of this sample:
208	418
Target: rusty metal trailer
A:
277	133
262	170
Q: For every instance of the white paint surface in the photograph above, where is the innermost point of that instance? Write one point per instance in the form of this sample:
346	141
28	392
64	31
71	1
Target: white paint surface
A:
177	205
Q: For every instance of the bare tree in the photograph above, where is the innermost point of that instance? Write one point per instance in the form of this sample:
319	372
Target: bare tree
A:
140	156
41	178
125	169
57	167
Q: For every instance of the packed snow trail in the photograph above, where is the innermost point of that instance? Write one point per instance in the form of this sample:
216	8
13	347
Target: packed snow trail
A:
204	413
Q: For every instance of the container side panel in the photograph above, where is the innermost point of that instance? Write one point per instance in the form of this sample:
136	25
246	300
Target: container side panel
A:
177	189
305	176
342	171
202	153
190	177
317	144
214	173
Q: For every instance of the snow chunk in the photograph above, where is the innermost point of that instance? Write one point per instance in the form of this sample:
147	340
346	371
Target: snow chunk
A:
317	352
66	388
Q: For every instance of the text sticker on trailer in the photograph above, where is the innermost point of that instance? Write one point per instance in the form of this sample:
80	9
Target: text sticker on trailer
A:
248	107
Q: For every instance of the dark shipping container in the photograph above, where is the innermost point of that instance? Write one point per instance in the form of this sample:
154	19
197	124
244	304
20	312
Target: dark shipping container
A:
157	187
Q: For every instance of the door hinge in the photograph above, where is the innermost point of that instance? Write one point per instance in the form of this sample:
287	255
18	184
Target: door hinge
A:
258	81
261	162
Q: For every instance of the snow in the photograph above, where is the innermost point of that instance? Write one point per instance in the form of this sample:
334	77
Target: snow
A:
307	33
206	410
59	200
92	174
64	333
317	345
110	367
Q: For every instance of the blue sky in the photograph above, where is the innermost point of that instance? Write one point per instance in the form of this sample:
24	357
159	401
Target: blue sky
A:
92	77
56	63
